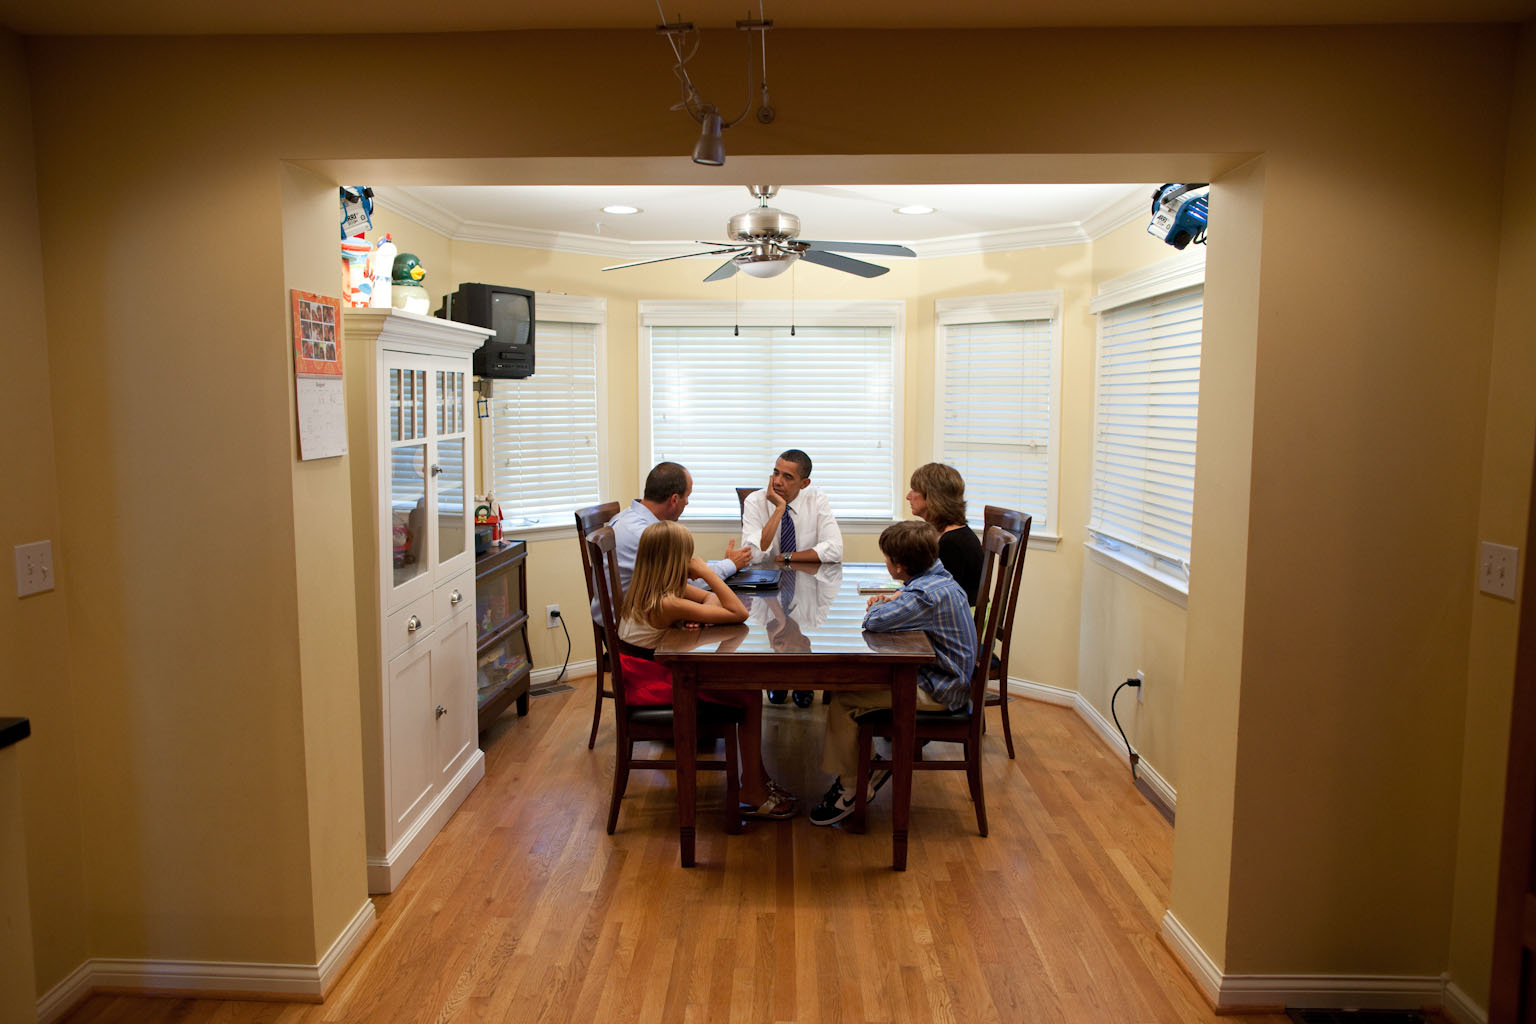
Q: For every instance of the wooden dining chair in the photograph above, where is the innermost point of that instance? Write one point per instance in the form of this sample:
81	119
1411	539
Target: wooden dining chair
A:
651	722
999	550
587	520
1017	524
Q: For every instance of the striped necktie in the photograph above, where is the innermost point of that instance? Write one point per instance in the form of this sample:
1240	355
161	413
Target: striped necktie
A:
786	535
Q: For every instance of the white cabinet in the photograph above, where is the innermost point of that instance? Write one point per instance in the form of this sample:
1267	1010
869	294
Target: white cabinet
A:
410	414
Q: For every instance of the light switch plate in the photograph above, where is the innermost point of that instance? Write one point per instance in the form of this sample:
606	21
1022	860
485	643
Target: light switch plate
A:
34	567
1498	569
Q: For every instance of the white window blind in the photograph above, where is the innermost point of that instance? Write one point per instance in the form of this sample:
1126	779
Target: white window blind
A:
1148	391
725	404
999	367
543	460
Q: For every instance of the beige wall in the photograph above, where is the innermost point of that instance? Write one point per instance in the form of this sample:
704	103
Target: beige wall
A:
35	681
327	609
1125	626
1509	438
1334	688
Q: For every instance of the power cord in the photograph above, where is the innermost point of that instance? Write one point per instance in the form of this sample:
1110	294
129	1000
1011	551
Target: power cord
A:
1133	681
564	664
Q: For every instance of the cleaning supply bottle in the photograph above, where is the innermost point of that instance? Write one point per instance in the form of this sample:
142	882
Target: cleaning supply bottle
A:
383	266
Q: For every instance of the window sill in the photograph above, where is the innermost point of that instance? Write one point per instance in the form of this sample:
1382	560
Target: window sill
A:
1169	588
714	524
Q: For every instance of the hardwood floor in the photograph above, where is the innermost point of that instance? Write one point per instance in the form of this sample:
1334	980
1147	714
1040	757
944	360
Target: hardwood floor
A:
524	909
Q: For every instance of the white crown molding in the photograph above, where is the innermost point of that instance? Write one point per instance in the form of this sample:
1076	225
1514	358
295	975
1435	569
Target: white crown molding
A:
1042	237
1135	206
571	242
229	980
406	203
413	208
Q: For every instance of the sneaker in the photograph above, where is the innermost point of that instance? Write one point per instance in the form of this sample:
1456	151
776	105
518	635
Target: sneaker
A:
878	777
834	807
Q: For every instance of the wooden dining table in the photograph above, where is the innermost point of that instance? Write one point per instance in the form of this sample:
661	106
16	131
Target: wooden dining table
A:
807	634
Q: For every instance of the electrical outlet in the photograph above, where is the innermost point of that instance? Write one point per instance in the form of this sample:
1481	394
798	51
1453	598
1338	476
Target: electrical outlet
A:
551	616
1143	687
34	568
1497	569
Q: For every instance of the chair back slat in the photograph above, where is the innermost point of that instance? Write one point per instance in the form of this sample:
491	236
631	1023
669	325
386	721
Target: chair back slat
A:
741	497
1017	524
602	551
587	520
999	553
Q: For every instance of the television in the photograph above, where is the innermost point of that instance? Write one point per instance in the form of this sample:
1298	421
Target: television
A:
506	310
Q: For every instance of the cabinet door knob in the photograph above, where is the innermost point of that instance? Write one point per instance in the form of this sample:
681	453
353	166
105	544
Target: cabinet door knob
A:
436	469
441	711
455	597
412	624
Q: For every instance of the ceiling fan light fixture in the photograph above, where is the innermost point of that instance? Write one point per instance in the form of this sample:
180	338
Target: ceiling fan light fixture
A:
761	267
710	149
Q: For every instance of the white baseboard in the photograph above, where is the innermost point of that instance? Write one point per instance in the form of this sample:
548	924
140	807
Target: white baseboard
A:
66	995
1230	993
385	873
540	676
1101	725
346	946
1459	1006
307	982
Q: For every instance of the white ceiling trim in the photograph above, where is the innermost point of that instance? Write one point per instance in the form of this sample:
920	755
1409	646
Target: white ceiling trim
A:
404	202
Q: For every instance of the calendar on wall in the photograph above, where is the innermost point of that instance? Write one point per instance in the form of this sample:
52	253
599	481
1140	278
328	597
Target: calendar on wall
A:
321	406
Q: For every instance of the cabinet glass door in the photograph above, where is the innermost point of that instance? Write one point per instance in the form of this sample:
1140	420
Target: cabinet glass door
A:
407	406
451	477
450	498
408	510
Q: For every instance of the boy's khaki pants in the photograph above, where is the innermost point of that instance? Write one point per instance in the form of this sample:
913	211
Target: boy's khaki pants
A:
840	748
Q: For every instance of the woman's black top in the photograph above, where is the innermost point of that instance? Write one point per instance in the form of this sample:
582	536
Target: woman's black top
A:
960	551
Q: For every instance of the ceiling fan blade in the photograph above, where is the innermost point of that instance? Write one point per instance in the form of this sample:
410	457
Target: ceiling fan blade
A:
722	272
836	262
871	248
663	259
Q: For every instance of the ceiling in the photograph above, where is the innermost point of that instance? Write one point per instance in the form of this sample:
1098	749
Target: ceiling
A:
966	218
293	17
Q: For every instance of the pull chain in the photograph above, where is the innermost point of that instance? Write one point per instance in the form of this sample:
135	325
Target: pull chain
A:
792	269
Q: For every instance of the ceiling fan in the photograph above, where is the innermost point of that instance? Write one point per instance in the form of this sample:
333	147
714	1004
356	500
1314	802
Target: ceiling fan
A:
764	242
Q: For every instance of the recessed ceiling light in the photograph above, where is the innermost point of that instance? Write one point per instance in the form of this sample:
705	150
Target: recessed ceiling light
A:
621	210
914	211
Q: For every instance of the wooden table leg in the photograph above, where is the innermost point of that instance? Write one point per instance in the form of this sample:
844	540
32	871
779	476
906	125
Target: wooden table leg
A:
684	729
903	729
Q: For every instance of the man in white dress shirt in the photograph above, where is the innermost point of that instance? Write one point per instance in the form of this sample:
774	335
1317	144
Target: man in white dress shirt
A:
791	521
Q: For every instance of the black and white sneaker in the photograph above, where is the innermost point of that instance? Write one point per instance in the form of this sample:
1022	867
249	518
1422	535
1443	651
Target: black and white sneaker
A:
834	807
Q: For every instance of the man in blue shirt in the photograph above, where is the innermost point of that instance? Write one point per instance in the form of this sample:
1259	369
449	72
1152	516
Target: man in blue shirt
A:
667	489
931	601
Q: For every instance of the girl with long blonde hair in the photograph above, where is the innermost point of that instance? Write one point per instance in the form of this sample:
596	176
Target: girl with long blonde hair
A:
661	597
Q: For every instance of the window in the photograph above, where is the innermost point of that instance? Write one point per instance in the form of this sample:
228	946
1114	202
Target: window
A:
541	451
1147	391
997	402
728	391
